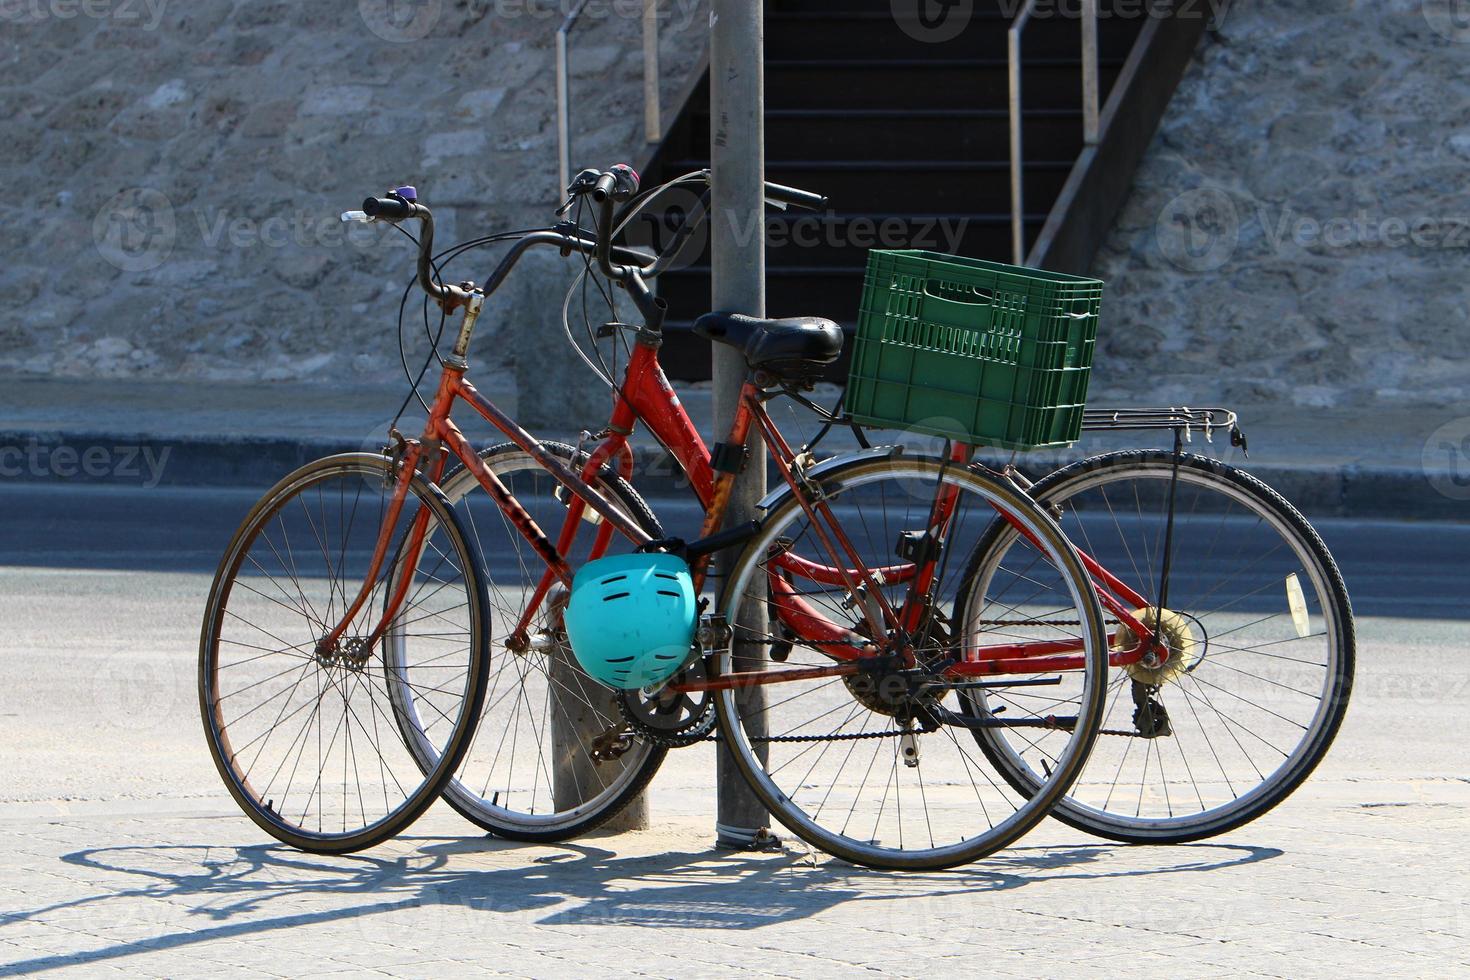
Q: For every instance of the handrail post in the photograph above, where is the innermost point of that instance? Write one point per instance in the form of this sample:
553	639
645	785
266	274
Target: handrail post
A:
563	150
563	99
652	123
1090	81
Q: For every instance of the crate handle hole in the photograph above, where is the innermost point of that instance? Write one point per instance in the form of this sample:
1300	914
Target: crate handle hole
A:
958	292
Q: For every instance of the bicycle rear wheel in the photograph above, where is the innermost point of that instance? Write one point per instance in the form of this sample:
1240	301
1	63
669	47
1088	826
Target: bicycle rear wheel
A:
308	741
1262	633
849	763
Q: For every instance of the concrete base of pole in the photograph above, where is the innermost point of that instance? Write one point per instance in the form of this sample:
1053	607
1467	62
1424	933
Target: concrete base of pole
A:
743	822
574	724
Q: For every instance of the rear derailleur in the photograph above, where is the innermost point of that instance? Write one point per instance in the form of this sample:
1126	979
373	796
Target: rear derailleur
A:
1150	719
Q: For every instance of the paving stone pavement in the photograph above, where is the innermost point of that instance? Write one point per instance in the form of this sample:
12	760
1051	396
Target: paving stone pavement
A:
1367	880
120	852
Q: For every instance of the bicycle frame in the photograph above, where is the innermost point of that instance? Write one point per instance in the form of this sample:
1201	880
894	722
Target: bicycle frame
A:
646	394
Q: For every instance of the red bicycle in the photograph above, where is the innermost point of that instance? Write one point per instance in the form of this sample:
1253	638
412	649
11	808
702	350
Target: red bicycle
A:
891	615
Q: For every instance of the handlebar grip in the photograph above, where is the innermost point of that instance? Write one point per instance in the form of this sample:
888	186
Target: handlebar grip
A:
603	189
387	208
796	197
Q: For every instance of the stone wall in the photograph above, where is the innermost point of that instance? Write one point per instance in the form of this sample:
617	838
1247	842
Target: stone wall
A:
175	169
1300	228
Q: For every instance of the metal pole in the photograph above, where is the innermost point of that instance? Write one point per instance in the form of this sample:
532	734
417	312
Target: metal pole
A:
738	259
1013	78
652	123
1089	73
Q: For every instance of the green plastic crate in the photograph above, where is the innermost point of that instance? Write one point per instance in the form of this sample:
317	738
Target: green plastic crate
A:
976	351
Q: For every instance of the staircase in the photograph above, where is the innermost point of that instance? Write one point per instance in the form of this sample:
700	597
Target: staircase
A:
909	139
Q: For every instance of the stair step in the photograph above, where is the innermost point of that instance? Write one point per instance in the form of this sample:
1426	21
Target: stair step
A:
879	34
913	187
909	134
925	84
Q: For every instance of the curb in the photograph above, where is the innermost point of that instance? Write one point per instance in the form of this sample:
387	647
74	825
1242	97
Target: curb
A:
145	462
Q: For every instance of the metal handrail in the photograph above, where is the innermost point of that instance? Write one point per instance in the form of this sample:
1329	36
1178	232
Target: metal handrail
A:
1090	114
652	111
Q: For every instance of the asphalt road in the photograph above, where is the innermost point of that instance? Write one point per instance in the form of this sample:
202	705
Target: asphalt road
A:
1391	568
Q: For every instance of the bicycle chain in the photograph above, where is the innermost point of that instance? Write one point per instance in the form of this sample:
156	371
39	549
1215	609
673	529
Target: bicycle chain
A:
1039	622
844	737
855	736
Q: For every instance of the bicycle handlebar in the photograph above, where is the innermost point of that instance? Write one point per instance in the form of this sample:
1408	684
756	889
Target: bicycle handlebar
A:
388	208
796	197
628	265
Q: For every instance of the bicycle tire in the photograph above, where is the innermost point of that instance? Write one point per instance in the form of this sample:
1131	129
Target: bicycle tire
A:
1062	485
778	798
373	471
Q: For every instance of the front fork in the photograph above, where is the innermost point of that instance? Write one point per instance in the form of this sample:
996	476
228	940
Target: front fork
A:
407	464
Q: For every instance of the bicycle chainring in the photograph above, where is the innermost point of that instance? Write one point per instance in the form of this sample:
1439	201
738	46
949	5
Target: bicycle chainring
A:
670	719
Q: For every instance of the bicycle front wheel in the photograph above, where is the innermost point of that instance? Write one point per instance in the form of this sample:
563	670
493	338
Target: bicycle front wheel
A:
307	740
1261	636
857	765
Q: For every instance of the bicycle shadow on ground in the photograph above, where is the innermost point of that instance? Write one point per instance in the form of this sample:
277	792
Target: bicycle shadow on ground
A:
229	893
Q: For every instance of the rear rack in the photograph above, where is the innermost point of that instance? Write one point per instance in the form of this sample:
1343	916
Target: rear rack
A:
1181	420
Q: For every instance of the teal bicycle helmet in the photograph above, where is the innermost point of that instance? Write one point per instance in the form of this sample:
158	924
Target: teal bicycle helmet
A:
631	619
